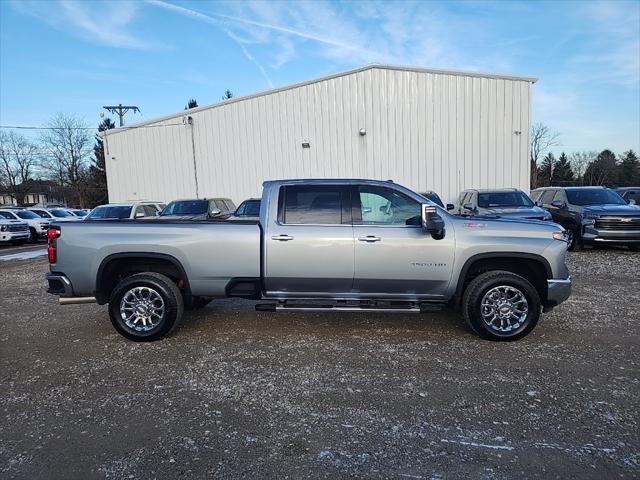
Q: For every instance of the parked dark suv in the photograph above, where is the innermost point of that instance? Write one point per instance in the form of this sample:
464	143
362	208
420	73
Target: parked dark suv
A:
504	202
592	215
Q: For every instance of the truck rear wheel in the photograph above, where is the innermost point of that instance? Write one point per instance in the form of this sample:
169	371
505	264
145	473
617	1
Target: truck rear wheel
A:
501	306
145	307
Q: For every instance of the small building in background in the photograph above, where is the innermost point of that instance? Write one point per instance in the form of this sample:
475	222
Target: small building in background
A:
424	128
39	193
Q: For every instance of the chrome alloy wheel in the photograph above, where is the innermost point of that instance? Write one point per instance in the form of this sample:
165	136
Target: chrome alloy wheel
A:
504	308
142	309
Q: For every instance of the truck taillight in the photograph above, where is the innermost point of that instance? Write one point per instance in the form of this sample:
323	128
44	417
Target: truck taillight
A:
52	234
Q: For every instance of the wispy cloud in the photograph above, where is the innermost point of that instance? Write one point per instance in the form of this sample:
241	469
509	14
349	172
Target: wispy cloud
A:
99	22
217	22
613	42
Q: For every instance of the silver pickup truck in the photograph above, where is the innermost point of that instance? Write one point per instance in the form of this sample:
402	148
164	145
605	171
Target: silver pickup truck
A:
349	245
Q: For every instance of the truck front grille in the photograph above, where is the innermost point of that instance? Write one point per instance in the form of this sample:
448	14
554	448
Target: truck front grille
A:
618	223
18	228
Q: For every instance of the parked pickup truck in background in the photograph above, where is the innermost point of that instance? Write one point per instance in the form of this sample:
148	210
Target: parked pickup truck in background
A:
318	244
592	215
505	203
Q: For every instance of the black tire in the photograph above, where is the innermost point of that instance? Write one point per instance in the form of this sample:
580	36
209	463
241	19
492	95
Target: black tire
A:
480	286
196	303
172	304
575	243
33	238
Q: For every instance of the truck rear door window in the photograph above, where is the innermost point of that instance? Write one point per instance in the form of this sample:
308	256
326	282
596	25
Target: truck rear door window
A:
313	204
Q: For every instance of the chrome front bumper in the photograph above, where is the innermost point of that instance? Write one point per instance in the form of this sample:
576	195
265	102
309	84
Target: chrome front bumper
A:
558	290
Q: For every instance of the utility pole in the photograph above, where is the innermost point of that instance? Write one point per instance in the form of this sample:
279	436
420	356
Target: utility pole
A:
120	110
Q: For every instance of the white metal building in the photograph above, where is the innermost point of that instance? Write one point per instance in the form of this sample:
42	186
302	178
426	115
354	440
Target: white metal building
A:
426	129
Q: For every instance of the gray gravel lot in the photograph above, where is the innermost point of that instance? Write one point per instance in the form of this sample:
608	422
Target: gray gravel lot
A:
237	393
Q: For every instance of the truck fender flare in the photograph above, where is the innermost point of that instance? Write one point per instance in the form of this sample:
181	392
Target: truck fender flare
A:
483	256
151	255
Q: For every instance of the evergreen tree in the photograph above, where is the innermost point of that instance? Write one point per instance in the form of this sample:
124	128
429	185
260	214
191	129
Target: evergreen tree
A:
545	171
603	170
562	172
629	174
97	194
227	95
192	103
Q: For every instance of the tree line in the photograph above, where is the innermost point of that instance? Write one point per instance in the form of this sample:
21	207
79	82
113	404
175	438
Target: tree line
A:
66	156
578	168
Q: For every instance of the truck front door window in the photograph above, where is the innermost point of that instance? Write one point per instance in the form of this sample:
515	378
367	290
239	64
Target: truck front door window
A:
380	206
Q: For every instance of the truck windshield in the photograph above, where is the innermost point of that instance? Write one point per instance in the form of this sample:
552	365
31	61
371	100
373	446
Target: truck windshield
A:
121	211
594	196
503	199
27	215
433	196
248	208
60	213
186	207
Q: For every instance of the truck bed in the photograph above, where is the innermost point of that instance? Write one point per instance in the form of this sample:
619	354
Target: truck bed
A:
210	253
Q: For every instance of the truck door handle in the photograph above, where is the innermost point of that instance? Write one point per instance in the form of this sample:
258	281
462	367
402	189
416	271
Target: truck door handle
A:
282	238
369	239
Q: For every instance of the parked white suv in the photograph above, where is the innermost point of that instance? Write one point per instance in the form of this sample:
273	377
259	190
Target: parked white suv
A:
13	231
54	214
38	226
125	210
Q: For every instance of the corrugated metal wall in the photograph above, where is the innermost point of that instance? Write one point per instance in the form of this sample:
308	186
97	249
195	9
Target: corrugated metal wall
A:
442	132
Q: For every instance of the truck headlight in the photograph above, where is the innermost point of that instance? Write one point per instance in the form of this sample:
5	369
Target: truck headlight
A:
3	228
561	235
589	219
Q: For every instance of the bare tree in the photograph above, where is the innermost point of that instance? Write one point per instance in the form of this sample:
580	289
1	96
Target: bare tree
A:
68	145
542	139
579	163
18	160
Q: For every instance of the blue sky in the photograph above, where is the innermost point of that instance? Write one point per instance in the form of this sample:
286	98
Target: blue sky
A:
74	57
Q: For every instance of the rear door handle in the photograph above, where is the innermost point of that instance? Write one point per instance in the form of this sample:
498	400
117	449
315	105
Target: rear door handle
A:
282	238
369	239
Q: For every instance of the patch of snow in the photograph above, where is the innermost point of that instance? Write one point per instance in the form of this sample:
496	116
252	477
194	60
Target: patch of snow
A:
24	255
480	445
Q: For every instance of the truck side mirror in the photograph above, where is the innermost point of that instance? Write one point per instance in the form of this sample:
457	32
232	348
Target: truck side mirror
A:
432	222
469	206
557	204
538	203
632	201
139	215
214	212
450	206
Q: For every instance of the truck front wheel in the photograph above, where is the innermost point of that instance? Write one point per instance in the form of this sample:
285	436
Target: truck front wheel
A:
501	306
145	307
